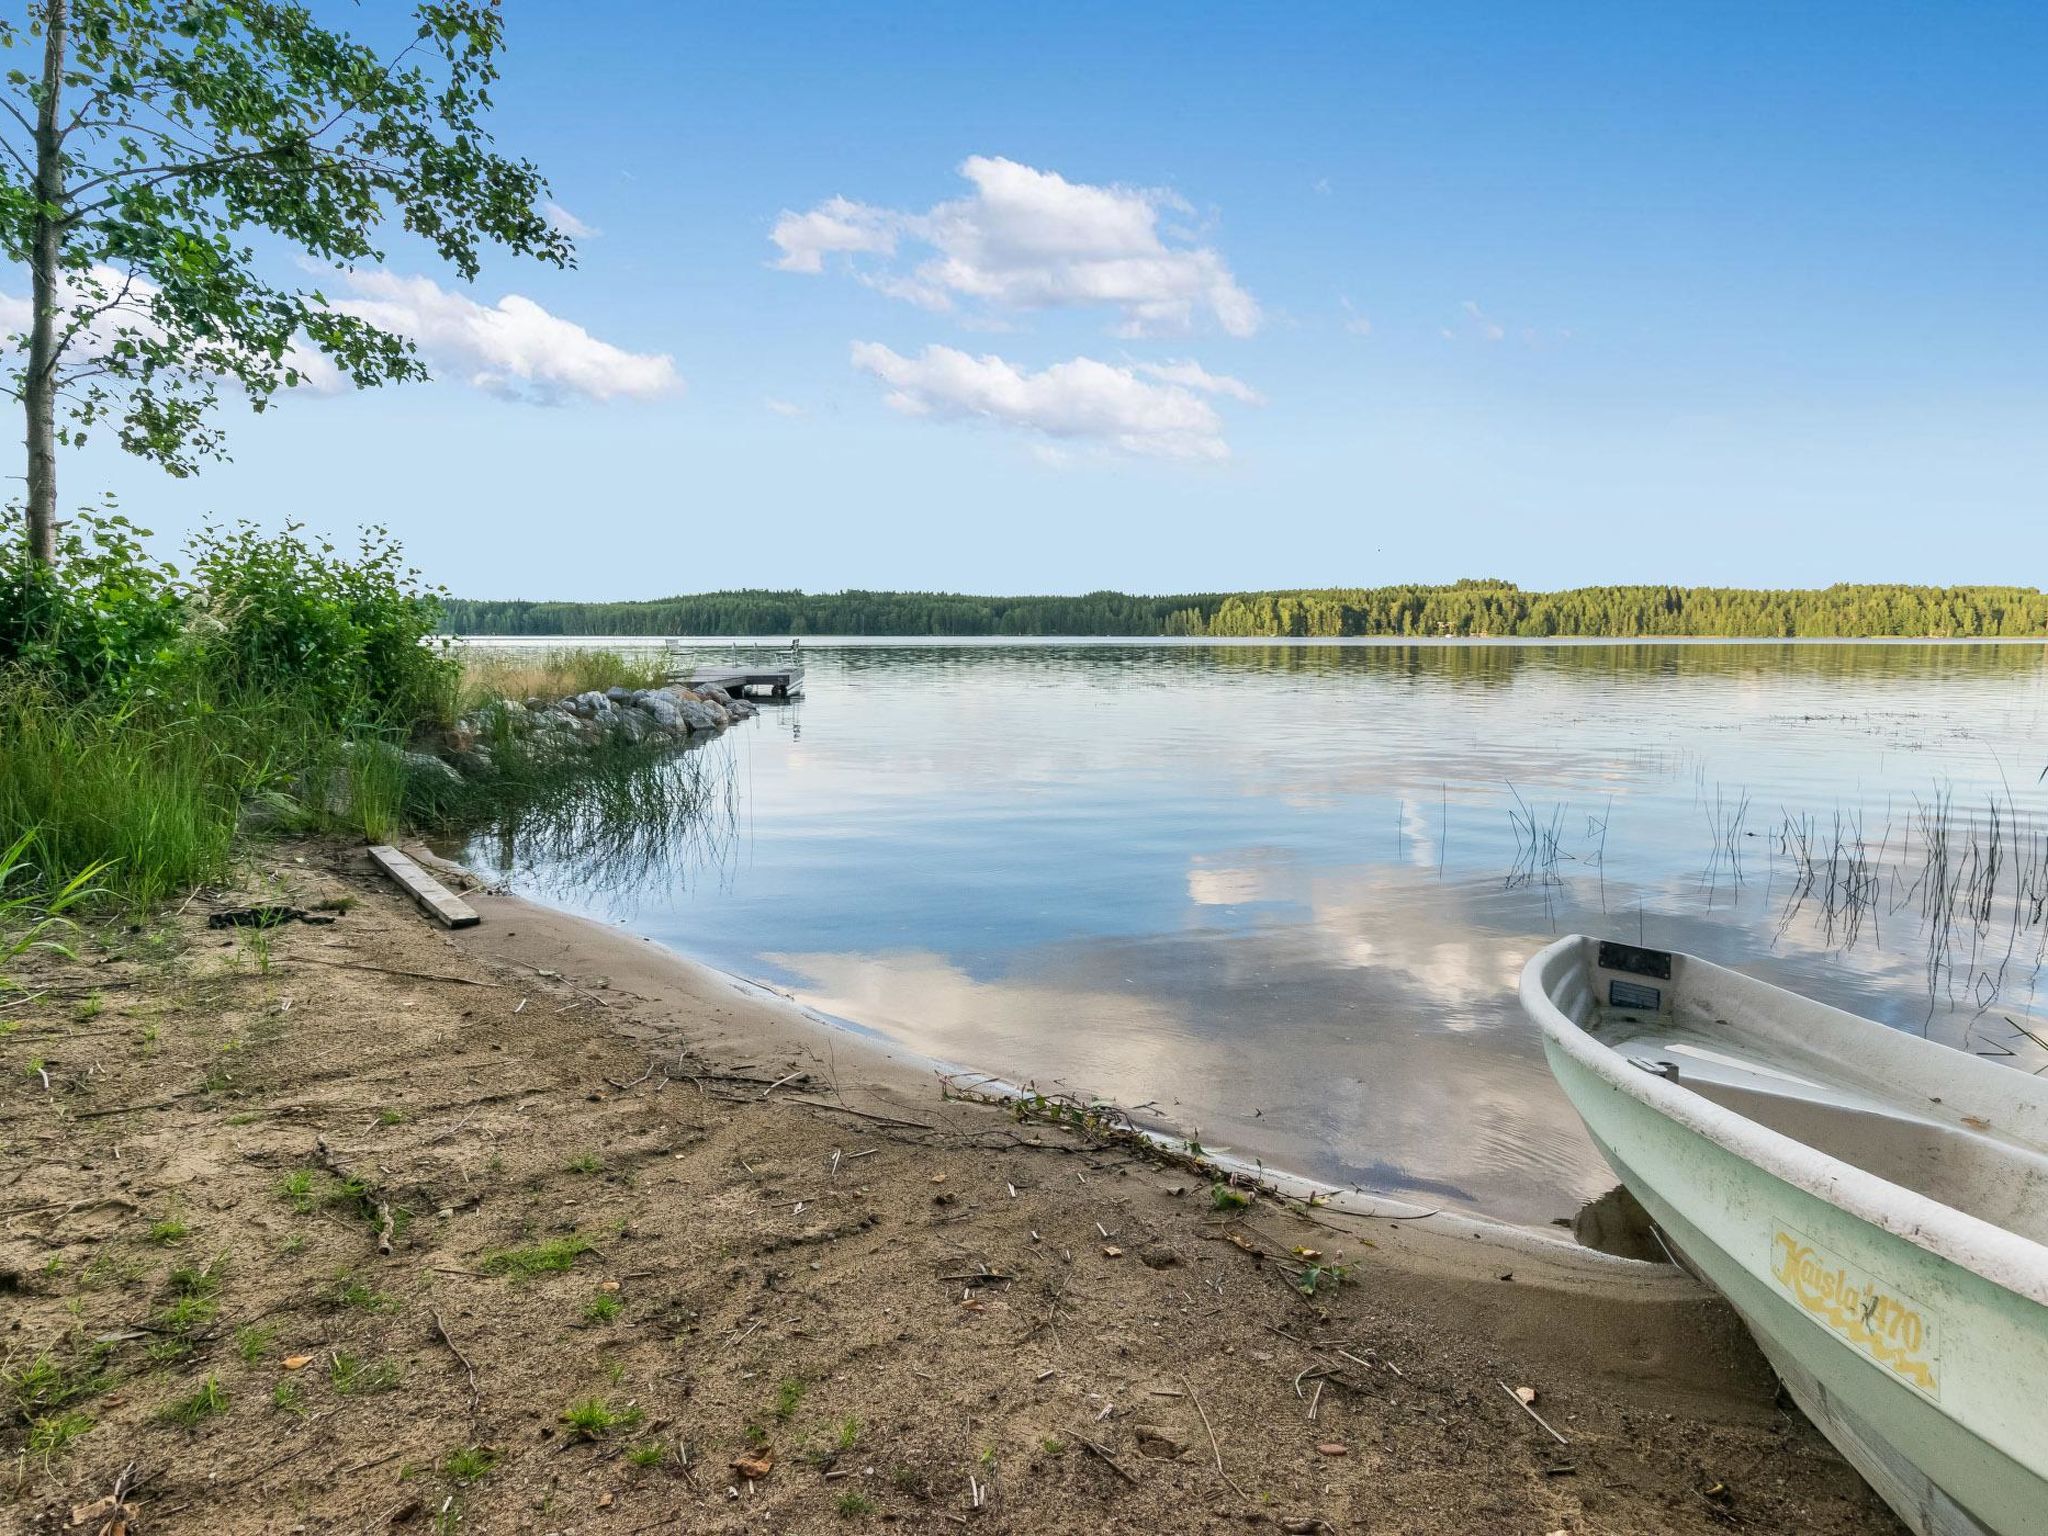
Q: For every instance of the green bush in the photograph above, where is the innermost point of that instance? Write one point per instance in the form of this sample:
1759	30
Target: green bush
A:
107	619
345	634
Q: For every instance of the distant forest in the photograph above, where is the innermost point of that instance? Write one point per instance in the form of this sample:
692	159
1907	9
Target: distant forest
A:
1470	608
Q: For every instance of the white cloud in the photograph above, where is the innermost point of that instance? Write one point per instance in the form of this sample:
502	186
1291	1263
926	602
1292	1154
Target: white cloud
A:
1483	325
835	227
514	348
1354	322
1192	375
1082	401
1027	239
567	223
783	407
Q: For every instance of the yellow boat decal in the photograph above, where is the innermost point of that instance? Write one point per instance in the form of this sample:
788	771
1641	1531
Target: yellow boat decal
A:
1878	1319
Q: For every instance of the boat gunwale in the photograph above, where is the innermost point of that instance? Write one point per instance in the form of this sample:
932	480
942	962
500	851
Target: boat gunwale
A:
1983	1248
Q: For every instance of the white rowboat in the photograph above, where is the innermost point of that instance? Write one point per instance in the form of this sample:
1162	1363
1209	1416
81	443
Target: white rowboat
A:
1874	1205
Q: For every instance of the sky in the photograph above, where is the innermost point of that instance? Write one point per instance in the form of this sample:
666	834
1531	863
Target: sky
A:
1197	297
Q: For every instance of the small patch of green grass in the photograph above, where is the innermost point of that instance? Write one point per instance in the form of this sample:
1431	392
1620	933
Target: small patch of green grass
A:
254	1343
199	1279
297	1189
89	1007
550	1257
285	1396
593	1418
209	1399
51	1435
391	1114
468	1464
353	1377
44	1384
1052	1446
756	1436
601	1310
589	1162
652	1454
183	1317
1224	1198
349	1290
905	1480
168	1231
789	1396
849	1433
853	1505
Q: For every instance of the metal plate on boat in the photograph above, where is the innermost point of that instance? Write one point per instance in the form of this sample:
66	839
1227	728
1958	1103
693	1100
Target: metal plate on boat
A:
1636	961
1633	994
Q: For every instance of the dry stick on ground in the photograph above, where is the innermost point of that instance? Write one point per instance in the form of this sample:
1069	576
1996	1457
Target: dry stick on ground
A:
387	1220
1519	1403
1114	1465
364	965
1213	1446
442	1329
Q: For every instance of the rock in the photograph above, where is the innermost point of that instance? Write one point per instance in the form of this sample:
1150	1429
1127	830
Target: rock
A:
538	706
633	725
664	710
1157	1256
476	763
716	694
461	736
697	715
1161	1444
619	695
425	765
740	709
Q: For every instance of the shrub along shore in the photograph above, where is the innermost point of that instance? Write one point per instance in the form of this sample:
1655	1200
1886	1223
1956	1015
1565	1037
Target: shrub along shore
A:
157	716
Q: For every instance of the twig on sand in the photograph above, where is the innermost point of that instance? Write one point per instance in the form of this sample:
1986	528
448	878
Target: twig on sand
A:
387	1219
848	1109
1213	1446
364	965
441	1328
1114	1465
1524	1406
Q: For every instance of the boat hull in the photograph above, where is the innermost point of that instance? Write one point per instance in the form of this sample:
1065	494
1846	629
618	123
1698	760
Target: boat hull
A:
1877	1386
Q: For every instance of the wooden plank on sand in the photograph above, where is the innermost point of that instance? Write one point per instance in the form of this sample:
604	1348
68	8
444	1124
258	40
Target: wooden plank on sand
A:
439	903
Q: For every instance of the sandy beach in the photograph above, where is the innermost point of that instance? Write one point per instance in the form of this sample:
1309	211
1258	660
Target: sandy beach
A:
666	1254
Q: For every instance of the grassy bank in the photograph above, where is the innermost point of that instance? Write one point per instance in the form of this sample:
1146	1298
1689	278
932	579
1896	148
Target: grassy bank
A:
157	721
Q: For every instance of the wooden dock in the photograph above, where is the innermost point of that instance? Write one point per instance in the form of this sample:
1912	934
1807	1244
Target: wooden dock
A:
778	682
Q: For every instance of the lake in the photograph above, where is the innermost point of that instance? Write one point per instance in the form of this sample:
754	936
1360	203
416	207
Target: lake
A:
1276	895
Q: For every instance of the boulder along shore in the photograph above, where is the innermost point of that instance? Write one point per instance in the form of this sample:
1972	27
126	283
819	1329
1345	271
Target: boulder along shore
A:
355	1224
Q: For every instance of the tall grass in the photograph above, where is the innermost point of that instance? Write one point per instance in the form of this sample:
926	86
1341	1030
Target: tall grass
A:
151	793
490	673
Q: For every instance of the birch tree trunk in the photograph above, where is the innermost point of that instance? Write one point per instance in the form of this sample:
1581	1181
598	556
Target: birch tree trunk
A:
39	391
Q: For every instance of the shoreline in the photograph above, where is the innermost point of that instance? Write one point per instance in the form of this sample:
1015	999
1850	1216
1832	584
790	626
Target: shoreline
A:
539	1227
904	1077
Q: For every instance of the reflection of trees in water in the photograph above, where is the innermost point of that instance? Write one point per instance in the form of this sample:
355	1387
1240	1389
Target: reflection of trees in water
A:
637	823
1622	663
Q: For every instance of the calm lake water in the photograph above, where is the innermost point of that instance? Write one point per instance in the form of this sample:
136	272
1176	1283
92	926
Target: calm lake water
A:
1280	893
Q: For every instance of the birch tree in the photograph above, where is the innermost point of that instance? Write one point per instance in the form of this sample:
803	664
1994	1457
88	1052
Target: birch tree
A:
160	160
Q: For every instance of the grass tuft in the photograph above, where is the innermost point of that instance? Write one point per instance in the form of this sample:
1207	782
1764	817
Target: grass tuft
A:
207	1400
592	1418
548	1258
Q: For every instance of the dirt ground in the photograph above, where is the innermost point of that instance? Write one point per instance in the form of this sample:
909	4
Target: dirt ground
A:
665	1257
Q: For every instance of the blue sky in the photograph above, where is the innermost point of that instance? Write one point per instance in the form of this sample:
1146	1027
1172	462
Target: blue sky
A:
1197	297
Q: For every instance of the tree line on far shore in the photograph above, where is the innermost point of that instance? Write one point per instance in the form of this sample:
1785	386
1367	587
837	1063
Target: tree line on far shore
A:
1465	608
